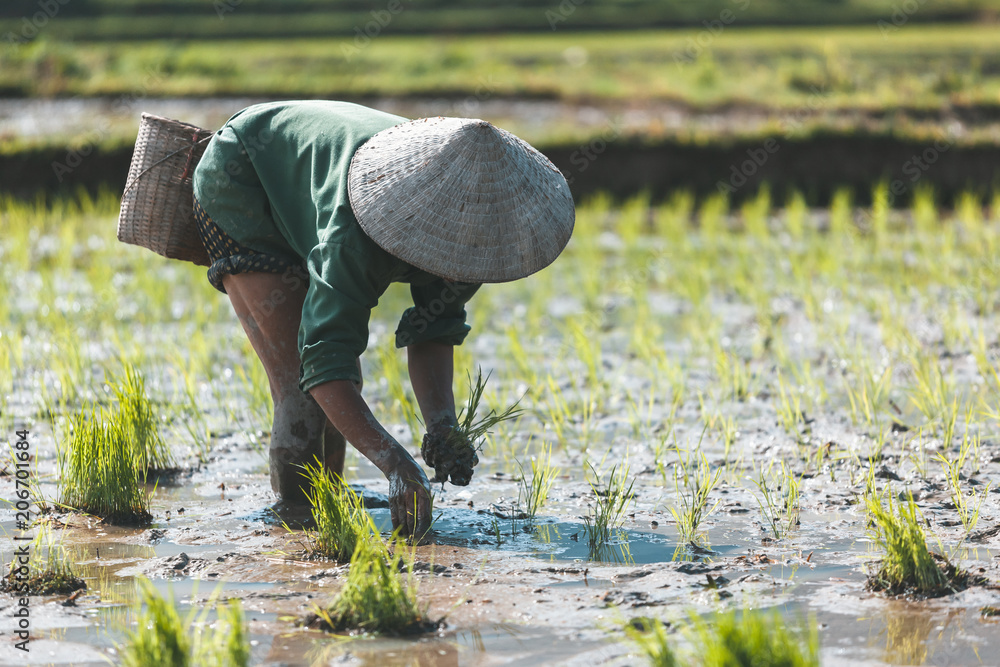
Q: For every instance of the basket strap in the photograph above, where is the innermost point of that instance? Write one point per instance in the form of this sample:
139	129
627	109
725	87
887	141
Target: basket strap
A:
167	157
187	165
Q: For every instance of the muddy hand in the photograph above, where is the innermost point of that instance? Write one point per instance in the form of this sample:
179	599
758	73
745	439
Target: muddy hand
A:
410	500
451	455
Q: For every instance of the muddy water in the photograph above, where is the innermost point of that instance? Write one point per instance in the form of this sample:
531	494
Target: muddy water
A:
510	594
537	120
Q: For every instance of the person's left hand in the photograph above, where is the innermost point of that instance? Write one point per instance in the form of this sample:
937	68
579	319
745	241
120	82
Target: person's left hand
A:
410	499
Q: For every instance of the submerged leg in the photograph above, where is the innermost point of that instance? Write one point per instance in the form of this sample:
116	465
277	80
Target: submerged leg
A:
270	308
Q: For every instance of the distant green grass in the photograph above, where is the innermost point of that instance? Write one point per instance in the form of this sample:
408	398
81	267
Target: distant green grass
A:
807	68
184	19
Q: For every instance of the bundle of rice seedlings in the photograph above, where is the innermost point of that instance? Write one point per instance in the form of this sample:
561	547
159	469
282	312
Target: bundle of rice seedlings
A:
603	525
339	514
454	454
135	411
650	636
164	639
732	639
379	596
907	566
48	571
751	638
99	473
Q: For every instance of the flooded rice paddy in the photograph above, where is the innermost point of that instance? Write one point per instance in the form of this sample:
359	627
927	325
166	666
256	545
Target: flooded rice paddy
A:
821	355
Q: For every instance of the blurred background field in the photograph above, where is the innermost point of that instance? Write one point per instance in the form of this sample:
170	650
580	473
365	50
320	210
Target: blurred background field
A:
851	90
785	252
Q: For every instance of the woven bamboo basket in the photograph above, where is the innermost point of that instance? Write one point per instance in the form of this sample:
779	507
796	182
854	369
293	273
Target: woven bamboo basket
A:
157	204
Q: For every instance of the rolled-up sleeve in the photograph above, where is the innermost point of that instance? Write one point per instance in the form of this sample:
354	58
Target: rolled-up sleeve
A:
343	289
438	313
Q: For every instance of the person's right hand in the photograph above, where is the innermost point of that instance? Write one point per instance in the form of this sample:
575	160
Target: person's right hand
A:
410	499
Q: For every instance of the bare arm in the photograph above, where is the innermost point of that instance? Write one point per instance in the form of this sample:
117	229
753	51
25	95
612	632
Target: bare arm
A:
409	490
432	370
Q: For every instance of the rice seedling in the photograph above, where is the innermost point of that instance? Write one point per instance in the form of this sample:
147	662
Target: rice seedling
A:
392	371
162	637
135	411
48	572
789	408
754	213
796	214
339	513
878	218
778	499
745	638
611	502
693	485
632	219
454	454
711	215
868	392
966	504
99	473
379	596
188	412
907	566
653	642
749	638
930	393
586	344
256	387
532	493
526	369
733	375
673	217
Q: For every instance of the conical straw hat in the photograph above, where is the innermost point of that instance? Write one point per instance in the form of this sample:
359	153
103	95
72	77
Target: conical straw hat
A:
461	199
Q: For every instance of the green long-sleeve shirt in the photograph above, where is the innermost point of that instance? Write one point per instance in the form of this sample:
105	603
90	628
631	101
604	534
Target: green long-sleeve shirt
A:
274	178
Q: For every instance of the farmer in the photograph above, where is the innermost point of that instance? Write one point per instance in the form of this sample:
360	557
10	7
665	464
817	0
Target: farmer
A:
309	210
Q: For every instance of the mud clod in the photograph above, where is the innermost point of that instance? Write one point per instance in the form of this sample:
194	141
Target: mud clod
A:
452	456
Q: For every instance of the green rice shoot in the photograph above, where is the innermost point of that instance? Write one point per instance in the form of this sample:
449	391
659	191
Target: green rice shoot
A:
604	524
135	411
49	571
744	638
750	638
534	491
99	473
907	565
653	642
339	513
163	638
475	431
379	596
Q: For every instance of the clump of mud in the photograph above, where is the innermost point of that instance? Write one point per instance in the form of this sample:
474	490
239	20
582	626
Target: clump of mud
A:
42	583
452	456
328	623
953	580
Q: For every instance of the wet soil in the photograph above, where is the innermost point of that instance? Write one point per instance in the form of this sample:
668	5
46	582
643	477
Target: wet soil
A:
508	593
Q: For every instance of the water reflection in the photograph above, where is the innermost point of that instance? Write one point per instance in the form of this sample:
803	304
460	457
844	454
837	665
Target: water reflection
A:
370	651
912	636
